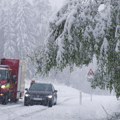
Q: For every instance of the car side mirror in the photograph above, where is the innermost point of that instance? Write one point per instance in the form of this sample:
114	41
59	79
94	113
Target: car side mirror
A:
55	91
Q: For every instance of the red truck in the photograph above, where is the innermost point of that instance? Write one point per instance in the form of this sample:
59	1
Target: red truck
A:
12	74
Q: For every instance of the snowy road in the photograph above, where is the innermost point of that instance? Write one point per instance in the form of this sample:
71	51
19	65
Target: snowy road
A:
67	108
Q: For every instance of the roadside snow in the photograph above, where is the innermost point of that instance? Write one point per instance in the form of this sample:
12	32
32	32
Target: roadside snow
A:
67	108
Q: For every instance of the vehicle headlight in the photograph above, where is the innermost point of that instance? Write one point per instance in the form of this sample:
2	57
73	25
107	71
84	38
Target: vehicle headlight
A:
49	96
3	86
1	94
27	95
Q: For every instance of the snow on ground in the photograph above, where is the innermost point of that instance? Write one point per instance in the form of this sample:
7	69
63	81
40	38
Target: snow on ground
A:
69	107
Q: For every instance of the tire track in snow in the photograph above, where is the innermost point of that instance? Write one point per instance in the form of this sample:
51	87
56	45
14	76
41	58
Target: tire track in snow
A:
35	112
29	114
14	116
42	110
11	105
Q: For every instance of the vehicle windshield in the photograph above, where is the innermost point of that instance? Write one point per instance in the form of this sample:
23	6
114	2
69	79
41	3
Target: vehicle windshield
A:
4	74
41	87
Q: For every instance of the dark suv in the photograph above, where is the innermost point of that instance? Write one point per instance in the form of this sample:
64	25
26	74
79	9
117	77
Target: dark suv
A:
42	93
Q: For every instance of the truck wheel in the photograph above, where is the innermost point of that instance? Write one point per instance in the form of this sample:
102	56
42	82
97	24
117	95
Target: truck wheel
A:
16	100
5	100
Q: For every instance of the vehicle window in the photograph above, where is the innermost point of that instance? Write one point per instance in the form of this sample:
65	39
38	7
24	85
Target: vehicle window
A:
41	87
3	75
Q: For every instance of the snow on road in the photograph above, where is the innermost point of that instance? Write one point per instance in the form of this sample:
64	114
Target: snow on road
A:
67	108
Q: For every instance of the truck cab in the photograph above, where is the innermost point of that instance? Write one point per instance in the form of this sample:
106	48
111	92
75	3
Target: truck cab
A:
11	80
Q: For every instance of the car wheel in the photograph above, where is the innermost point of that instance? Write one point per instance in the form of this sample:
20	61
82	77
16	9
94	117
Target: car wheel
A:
50	103
16	100
26	103
55	101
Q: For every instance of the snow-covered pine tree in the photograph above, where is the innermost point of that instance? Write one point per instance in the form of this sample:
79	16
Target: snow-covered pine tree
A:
71	40
1	29
25	29
80	30
108	74
42	9
8	30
